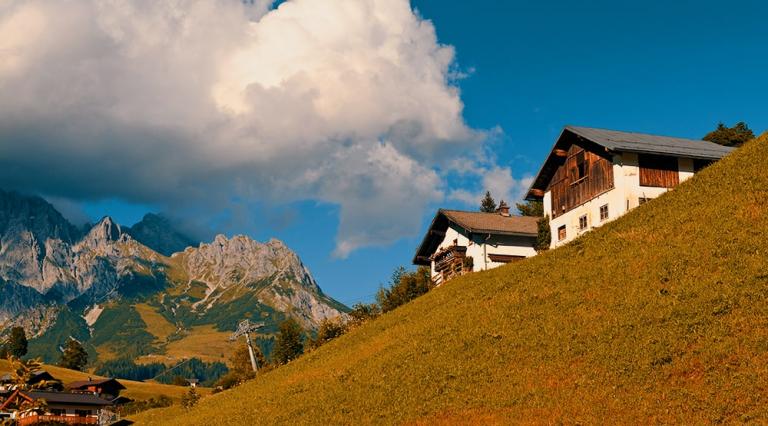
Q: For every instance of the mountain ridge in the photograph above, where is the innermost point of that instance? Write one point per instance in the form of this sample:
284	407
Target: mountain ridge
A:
58	283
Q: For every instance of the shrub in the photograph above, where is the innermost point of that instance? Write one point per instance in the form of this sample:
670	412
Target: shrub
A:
329	329
405	286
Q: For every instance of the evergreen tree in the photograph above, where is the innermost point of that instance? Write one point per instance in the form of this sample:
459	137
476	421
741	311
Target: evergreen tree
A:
17	342
74	356
531	208
190	399
730	136
544	237
289	344
488	204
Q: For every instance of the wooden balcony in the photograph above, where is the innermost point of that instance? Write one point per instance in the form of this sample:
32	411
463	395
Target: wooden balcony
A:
68	420
451	262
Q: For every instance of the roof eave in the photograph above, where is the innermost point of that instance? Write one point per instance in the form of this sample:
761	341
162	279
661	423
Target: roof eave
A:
416	258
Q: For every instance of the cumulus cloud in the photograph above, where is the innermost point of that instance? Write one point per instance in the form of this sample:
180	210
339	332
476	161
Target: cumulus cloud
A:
196	102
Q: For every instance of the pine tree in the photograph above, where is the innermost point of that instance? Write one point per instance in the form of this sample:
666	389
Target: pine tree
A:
289	344
544	238
74	356
17	342
190	399
531	208
488	204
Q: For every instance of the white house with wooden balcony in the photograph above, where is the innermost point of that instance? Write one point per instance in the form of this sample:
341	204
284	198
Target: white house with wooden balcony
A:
592	176
458	242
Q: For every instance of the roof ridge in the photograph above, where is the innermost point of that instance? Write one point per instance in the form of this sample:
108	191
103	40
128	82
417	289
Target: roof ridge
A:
570	126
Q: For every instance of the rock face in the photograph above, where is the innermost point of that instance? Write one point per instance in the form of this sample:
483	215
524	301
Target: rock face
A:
229	266
157	233
48	269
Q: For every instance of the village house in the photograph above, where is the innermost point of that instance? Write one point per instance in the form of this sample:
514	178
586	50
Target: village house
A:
60	407
458	242
592	176
108	389
82	403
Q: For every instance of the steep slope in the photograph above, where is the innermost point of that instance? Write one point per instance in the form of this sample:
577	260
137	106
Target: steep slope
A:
156	232
658	317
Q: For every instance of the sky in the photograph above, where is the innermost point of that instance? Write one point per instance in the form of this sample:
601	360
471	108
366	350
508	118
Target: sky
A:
340	126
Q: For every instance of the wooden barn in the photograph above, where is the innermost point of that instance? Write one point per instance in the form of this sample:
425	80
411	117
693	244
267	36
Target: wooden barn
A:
592	176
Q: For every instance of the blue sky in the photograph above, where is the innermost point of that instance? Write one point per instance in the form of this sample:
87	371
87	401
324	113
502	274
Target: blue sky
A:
672	68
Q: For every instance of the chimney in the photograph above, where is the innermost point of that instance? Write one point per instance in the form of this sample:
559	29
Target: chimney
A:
503	209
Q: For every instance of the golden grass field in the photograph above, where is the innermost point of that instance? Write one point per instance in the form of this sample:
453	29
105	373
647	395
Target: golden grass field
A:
157	325
658	317
135	390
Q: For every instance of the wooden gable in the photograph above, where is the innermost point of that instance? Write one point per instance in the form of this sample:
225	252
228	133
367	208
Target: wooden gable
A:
583	173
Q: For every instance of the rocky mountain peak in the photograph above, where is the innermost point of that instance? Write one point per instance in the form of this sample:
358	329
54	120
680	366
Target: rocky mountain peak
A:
158	233
106	231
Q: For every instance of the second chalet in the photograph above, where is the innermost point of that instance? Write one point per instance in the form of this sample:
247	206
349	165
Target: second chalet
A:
458	242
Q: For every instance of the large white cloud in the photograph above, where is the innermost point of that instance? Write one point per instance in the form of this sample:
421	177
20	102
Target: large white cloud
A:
198	101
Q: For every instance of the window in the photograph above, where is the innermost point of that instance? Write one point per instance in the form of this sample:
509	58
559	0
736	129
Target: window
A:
561	233
642	200
603	212
583	223
58	412
504	258
83	413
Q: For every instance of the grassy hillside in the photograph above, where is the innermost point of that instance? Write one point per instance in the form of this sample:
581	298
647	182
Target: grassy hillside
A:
135	390
660	316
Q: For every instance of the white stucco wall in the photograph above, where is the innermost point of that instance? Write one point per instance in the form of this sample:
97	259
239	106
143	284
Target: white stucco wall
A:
479	248
623	197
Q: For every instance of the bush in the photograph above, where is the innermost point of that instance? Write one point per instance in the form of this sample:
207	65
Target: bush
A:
405	286
329	330
363	312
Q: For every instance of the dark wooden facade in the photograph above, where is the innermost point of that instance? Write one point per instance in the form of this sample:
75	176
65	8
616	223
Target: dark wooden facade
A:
658	171
583	175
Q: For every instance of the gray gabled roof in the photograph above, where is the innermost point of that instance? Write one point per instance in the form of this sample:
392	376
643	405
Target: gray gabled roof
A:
68	398
652	144
616	141
472	222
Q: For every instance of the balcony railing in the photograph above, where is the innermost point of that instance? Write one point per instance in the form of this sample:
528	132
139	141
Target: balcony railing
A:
69	420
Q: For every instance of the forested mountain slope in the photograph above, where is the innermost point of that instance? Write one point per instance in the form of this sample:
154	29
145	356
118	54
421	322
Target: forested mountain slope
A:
660	316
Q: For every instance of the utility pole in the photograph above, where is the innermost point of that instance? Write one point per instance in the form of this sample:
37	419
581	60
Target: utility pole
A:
245	328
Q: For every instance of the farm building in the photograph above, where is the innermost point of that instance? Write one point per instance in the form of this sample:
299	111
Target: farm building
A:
458	242
592	176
